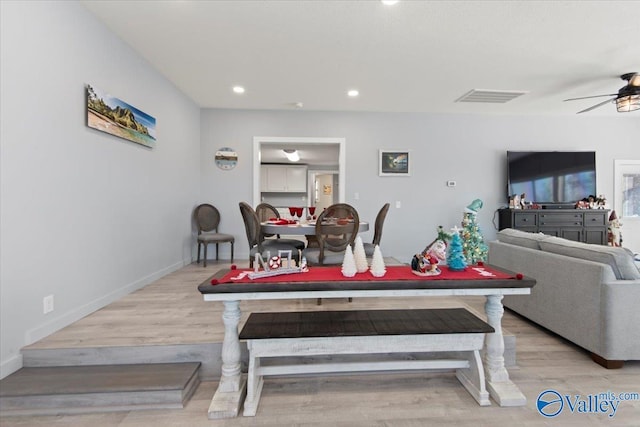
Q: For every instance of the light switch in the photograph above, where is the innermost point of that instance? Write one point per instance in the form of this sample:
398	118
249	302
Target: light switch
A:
398	204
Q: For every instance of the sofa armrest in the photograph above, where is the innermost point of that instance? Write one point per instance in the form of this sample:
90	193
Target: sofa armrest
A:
567	296
620	320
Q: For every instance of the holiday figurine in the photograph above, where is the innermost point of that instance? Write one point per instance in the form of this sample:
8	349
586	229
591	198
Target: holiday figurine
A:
377	268
349	263
426	262
614	230
455	254
359	255
473	244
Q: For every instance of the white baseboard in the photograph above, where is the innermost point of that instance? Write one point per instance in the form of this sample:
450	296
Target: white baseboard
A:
9	366
69	317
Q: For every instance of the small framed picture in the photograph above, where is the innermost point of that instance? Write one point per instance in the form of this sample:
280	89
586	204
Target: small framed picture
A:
394	163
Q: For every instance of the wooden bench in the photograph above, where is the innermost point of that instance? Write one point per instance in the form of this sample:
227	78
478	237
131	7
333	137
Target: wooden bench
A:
315	333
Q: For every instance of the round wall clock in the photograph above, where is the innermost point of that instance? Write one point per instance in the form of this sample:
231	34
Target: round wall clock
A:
226	158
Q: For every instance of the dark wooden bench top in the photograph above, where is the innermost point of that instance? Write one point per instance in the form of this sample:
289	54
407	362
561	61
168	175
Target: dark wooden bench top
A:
312	324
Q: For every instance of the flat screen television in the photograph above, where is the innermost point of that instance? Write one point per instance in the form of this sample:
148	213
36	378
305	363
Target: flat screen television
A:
552	177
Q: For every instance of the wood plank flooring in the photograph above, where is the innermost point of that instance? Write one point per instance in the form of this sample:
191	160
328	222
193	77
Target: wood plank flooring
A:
172	311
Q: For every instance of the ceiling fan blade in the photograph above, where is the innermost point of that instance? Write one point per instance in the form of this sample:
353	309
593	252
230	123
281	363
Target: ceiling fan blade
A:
588	97
596	106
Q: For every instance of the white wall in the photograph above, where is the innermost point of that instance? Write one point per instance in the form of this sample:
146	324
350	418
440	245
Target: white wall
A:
470	149
85	216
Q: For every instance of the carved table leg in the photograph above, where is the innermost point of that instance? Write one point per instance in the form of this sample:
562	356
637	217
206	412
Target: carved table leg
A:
500	387
228	398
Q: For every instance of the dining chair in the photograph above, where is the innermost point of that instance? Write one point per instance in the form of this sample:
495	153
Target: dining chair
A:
256	240
377	235
207	219
265	211
336	228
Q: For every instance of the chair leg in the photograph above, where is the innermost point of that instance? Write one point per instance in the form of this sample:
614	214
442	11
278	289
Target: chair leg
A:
217	252
198	252
231	251
205	254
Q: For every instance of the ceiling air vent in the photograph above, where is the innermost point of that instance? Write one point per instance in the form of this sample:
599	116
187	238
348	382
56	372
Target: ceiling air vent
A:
491	96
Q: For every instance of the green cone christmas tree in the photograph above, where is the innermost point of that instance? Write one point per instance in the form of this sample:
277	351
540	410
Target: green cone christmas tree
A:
455	255
473	245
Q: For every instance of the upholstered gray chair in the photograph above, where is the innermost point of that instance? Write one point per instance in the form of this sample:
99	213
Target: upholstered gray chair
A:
377	235
256	240
336	228
207	219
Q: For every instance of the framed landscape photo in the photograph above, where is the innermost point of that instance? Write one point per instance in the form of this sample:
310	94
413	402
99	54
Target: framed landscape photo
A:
114	116
394	163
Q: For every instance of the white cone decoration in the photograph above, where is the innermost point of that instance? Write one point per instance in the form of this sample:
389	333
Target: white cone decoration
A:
360	255
377	263
349	263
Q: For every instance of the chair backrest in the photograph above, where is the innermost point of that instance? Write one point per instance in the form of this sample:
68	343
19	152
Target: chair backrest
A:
336	228
377	235
207	218
265	211
251	224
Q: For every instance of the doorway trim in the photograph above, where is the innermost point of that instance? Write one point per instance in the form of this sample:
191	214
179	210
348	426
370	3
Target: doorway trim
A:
257	143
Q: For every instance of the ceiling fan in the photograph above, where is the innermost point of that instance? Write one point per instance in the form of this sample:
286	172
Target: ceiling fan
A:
627	99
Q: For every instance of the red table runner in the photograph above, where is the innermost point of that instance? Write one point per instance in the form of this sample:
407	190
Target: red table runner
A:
330	274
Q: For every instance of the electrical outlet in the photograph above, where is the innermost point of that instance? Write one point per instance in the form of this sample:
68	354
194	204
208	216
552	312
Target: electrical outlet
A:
451	183
398	204
47	304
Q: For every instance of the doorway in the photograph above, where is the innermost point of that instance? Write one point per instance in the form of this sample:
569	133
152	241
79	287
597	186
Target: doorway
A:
338	188
324	189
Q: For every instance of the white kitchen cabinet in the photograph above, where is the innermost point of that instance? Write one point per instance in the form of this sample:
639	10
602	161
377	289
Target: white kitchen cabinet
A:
283	179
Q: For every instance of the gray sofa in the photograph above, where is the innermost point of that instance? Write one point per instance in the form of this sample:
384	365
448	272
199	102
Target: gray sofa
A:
588	294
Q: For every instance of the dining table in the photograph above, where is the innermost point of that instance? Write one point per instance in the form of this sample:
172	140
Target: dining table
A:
302	228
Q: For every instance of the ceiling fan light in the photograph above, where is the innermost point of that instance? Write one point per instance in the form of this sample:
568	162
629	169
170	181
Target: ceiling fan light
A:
292	155
625	104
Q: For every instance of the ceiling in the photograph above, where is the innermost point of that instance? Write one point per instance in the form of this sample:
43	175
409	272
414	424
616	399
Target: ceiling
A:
415	56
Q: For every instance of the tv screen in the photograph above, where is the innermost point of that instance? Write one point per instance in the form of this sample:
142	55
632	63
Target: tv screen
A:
552	177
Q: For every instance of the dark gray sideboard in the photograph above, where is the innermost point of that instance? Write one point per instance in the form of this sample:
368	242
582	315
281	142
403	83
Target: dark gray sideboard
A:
580	225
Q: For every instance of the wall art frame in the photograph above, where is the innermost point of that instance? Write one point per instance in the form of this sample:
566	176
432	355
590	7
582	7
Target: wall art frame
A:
118	118
394	162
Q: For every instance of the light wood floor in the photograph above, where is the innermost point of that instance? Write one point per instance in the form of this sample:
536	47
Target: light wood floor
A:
172	311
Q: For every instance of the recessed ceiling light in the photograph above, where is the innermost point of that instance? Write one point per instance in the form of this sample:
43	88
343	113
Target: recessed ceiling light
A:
353	93
238	89
389	2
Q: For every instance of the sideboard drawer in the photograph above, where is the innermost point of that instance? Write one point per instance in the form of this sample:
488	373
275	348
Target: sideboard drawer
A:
524	219
595	220
566	219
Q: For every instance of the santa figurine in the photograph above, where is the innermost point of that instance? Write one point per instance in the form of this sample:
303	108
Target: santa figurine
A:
426	262
614	230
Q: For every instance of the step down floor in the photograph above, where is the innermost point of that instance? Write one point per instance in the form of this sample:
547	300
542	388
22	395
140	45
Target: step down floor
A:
103	388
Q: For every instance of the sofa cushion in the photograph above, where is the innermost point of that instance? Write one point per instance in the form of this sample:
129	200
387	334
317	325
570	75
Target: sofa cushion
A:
618	258
521	238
